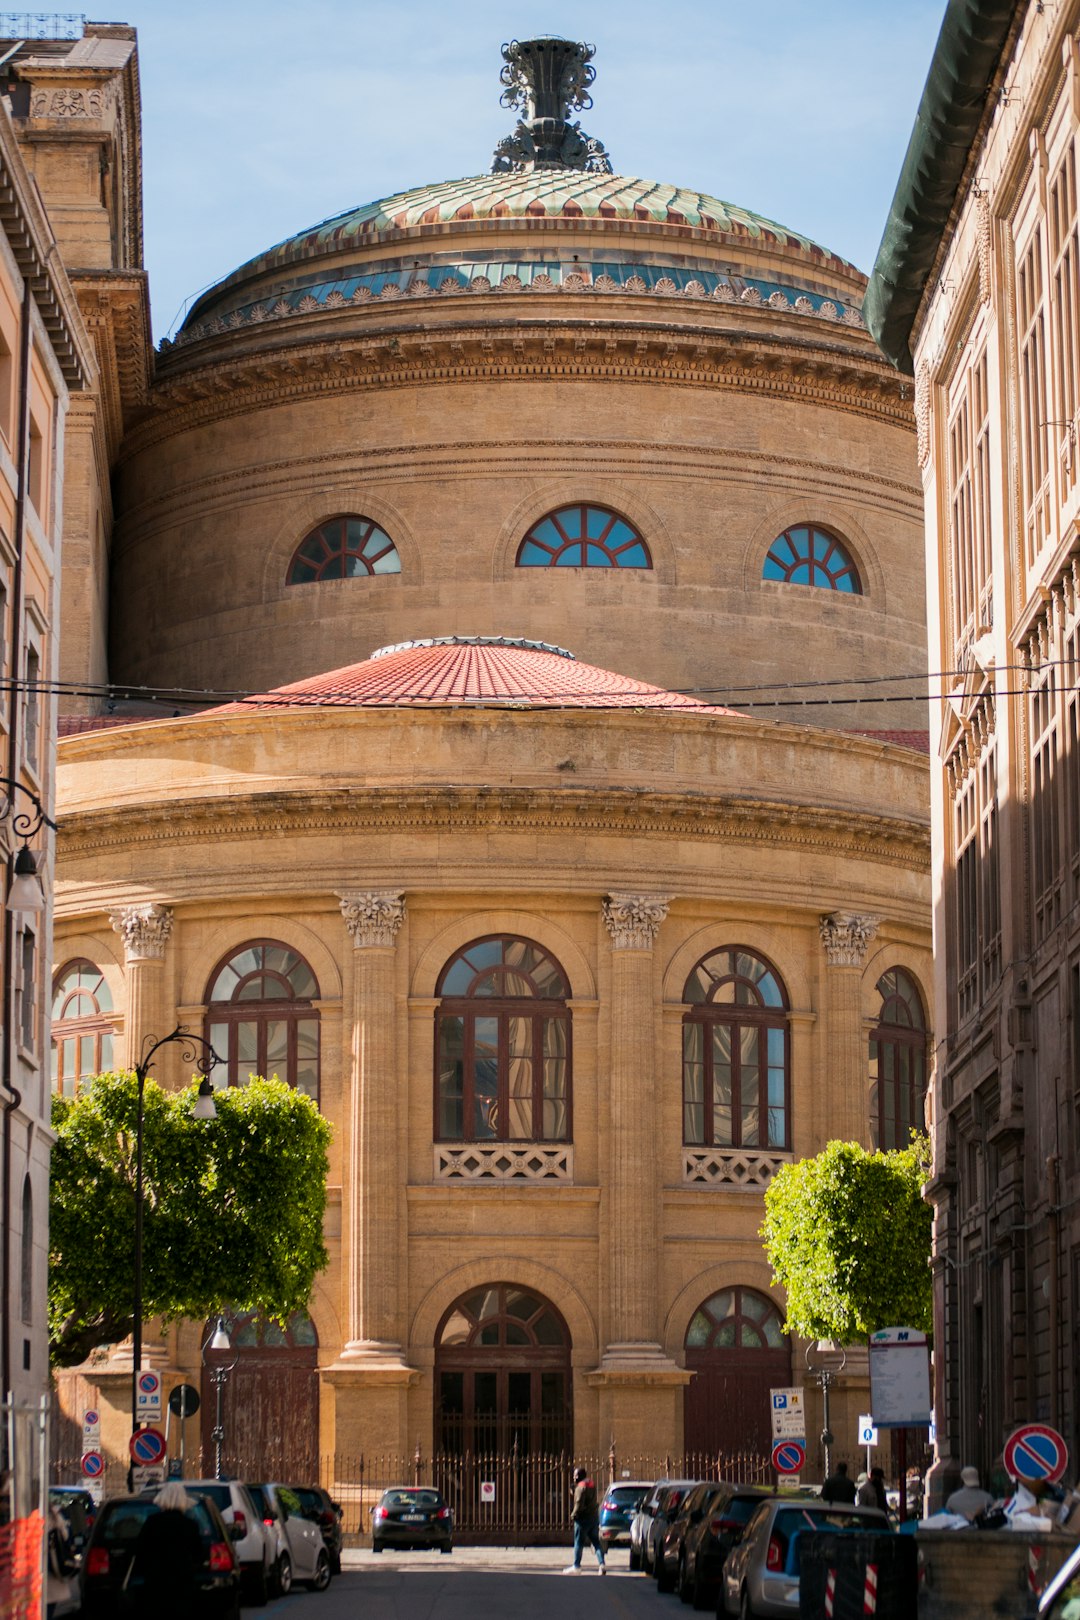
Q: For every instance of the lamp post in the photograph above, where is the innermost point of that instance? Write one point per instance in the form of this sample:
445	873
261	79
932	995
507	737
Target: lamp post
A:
219	1372
825	1373
204	1109
24	892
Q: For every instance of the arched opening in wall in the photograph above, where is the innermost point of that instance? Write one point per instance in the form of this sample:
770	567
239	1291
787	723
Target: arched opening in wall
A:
502	1374
269	1399
897	1062
738	1352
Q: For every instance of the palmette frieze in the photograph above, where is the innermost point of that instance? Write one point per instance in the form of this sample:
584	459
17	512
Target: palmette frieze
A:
144	929
846	936
373	917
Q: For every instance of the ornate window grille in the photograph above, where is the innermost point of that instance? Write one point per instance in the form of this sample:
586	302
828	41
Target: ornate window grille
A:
262	1019
583	536
805	555
736	1082
343	548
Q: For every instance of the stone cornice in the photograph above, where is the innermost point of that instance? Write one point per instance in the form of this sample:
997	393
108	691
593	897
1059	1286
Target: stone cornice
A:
244	370
115	307
898	840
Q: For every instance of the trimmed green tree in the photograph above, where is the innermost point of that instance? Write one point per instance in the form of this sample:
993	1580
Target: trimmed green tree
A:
233	1210
848	1237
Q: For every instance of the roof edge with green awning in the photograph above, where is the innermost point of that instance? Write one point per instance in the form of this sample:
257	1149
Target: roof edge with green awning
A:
973	36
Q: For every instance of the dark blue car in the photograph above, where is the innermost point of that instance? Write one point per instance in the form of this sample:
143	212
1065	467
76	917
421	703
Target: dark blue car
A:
621	1501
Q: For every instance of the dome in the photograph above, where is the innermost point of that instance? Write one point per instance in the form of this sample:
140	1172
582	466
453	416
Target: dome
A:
472	670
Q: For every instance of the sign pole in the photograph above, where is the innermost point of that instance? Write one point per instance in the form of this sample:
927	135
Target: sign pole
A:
902	1464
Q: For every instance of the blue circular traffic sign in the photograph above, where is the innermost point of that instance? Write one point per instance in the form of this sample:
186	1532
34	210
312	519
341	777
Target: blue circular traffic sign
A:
149	1383
93	1464
1036	1452
789	1456
147	1447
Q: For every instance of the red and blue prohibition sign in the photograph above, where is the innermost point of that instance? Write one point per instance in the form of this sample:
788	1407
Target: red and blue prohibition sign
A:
93	1464
1036	1452
788	1456
147	1447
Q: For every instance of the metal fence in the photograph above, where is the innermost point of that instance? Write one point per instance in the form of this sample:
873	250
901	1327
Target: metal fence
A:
41	24
532	1490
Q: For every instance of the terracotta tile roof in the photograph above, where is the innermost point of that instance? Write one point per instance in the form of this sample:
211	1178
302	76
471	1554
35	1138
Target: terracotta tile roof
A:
71	725
474	670
918	740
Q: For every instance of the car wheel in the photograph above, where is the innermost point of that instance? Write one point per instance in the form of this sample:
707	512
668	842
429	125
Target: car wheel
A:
681	1584
283	1576
335	1563
664	1582
635	1557
746	1608
376	1546
447	1549
700	1596
257	1589
321	1578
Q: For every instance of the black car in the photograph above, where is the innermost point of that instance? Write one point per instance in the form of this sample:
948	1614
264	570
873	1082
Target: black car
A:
668	1563
671	1499
412	1516
708	1542
111	1583
78	1510
328	1515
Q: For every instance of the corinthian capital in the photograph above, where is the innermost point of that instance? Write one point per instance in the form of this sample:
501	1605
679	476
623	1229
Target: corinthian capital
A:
845	936
633	920
144	929
373	918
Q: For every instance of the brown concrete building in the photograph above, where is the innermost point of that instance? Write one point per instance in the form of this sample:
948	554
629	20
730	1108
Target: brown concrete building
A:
975	292
572	948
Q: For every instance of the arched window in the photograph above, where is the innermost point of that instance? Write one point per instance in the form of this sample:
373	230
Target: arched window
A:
736	1319
26	1284
735	1054
82	1030
897	1062
343	548
261	1017
738	1352
583	537
807	555
502	1373
502	1060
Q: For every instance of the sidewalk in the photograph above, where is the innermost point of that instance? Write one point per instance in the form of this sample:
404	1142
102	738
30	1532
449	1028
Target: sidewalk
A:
542	1559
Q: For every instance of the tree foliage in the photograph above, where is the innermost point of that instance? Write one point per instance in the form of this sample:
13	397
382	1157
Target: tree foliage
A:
848	1236
233	1207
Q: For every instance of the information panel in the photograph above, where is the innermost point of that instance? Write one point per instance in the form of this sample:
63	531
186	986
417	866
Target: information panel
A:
899	1378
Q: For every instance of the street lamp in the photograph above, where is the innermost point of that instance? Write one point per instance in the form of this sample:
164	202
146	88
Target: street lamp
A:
204	1109
24	892
825	1373
219	1372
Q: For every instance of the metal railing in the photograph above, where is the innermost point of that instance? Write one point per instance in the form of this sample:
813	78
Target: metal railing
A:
42	24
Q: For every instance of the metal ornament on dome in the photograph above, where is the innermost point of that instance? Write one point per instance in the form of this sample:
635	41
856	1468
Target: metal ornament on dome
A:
472	641
547	79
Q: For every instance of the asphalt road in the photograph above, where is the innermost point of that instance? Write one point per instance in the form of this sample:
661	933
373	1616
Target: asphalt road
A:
476	1583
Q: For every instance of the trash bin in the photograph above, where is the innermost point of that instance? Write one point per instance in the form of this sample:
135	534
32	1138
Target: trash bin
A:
986	1572
850	1573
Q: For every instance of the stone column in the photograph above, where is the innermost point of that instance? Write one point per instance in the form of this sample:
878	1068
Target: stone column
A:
372	1324
145	931
846	937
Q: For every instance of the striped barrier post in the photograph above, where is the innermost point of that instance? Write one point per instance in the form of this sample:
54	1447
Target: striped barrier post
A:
830	1593
869	1605
1034	1559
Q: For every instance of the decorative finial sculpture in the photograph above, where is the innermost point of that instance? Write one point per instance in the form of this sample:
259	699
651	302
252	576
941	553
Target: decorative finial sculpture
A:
546	80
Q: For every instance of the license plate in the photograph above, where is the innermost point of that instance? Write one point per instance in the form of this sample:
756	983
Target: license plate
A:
414	1518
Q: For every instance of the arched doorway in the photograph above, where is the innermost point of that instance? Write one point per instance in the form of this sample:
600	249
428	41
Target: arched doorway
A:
269	1399
502	1374
737	1349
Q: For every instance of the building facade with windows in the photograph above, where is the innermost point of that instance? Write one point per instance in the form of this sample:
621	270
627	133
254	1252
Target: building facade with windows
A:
975	294
557	530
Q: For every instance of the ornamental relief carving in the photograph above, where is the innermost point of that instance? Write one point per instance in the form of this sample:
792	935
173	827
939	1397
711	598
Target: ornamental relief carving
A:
68	103
846	936
373	918
984	240
922	412
144	930
633	920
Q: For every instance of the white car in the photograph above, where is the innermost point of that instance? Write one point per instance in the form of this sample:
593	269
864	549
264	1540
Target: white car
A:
301	1553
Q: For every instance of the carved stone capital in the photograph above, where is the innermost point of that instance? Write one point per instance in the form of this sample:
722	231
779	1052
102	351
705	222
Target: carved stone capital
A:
846	936
373	918
144	929
633	920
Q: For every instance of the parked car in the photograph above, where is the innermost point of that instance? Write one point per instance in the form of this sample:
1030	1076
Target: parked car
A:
299	1552
761	1573
328	1515
669	1547
253	1542
110	1567
1061	1600
78	1510
666	1508
620	1502
642	1524
708	1542
412	1516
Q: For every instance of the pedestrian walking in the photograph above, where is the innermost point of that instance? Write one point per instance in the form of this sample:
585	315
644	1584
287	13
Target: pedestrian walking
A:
877	1485
586	1520
838	1487
969	1501
168	1556
864	1492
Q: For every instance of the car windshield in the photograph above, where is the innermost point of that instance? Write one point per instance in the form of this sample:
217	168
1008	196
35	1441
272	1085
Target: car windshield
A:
412	1499
258	1496
220	1495
119	1526
626	1495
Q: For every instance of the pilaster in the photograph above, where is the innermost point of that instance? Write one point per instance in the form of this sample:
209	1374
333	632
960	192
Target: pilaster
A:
145	930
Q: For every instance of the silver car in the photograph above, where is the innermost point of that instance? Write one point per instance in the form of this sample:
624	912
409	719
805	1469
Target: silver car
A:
253	1542
761	1572
301	1553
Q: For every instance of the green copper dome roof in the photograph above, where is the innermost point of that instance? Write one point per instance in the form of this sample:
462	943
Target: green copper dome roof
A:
567	194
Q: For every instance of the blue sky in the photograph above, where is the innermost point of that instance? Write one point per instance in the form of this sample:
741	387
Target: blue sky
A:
262	118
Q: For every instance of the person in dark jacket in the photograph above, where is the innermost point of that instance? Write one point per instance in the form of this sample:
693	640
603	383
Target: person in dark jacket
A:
838	1487
168	1557
586	1517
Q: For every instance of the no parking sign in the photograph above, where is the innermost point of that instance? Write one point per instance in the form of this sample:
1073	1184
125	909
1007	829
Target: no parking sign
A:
1036	1452
487	1490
